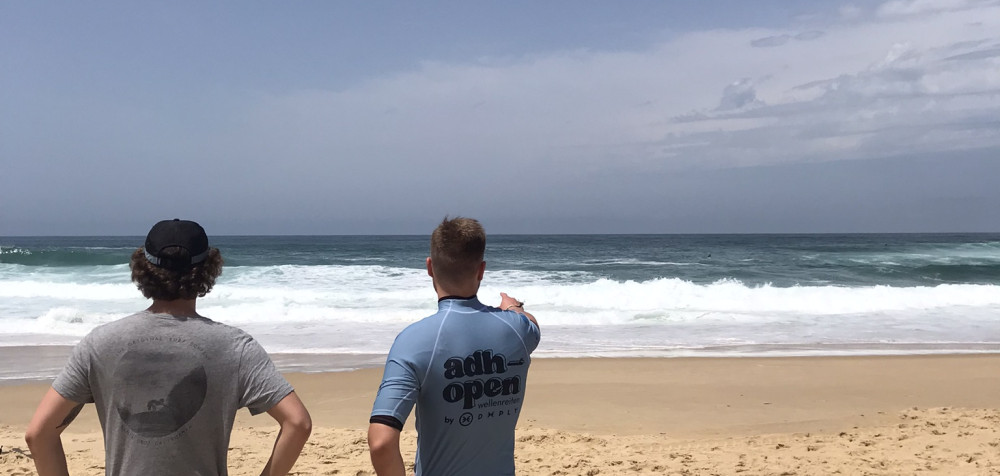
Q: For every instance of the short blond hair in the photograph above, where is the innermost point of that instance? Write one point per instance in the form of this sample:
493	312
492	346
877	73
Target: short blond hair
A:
457	249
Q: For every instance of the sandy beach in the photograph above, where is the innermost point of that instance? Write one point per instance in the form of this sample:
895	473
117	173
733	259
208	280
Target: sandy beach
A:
754	416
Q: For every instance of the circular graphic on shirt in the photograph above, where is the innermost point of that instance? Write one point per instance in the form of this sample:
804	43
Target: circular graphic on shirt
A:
159	391
465	419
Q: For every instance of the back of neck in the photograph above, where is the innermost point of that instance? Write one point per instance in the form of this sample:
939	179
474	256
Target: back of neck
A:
467	290
177	307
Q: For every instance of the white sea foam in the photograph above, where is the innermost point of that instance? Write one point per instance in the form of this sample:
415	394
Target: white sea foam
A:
359	309
634	262
44	289
628	300
312	292
10	250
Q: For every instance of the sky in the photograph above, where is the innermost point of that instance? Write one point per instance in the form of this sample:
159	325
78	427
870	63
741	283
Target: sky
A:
379	117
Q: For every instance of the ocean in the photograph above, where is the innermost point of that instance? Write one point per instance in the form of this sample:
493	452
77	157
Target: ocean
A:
336	302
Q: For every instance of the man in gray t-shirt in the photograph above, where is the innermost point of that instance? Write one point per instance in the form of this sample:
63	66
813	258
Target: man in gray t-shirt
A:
167	382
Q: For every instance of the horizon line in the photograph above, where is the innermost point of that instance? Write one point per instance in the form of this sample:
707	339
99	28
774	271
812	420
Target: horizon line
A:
798	233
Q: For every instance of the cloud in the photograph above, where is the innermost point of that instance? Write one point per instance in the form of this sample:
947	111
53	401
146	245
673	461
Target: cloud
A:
769	41
975	55
936	93
778	40
553	132
850	11
738	95
809	35
899	8
858	88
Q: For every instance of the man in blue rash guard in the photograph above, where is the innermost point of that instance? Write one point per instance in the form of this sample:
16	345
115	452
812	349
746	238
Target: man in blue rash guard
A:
464	367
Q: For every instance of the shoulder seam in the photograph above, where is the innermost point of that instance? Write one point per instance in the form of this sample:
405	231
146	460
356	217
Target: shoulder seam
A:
436	339
518	334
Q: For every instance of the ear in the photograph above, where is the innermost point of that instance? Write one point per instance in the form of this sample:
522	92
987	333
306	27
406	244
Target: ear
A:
482	269
430	269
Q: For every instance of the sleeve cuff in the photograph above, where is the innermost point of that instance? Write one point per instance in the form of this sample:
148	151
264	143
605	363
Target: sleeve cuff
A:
269	404
65	391
387	420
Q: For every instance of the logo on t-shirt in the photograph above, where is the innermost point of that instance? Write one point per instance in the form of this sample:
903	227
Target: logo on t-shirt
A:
162	386
481	372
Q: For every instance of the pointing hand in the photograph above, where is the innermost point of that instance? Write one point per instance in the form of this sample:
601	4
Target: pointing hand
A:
507	302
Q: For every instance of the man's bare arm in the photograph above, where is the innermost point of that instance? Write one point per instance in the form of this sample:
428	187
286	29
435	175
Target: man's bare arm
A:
508	303
383	444
53	415
296	425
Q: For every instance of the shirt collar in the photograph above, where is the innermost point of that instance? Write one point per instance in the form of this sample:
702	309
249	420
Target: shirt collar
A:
456	302
459	298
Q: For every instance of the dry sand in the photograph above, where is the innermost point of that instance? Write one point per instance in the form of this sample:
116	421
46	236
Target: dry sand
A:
752	416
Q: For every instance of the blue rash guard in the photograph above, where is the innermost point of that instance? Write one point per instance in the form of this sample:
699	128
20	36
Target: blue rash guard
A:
465	368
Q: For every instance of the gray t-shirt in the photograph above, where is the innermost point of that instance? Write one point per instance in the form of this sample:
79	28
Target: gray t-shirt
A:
167	390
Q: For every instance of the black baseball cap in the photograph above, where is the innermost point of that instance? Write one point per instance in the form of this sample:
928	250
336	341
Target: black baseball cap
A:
176	233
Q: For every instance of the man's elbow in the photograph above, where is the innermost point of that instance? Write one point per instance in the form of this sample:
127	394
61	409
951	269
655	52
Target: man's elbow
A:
376	445
31	437
381	442
34	436
300	425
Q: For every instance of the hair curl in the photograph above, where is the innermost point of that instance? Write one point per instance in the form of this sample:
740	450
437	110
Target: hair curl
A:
164	284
